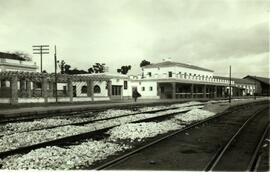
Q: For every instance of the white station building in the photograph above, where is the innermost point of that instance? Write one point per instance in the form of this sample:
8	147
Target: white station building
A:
164	80
168	80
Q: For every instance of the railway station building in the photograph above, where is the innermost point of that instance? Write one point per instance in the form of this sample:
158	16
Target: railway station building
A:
174	80
21	83
262	84
171	80
242	87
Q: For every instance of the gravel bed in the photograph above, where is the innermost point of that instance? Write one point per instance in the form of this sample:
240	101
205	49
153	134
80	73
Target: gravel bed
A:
194	115
11	128
138	131
85	154
36	124
57	158
51	122
192	103
16	140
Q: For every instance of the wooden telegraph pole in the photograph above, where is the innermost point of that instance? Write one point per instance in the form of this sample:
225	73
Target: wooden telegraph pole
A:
40	49
230	85
255	84
55	74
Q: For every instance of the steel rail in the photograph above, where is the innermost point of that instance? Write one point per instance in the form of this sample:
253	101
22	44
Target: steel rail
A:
96	120
254	162
195	124
92	133
219	154
72	137
68	112
118	159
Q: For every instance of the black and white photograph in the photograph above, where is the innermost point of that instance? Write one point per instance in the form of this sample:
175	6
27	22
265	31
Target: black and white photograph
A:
134	85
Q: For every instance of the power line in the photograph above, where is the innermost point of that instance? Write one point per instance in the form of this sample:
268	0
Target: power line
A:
40	49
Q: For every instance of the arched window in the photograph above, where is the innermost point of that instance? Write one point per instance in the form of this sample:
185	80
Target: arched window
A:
96	89
84	89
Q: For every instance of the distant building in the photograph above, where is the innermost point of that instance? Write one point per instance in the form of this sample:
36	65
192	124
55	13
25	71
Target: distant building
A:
13	62
241	87
262	84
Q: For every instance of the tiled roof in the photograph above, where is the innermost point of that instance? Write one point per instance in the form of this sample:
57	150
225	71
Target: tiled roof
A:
260	79
170	63
11	56
236	80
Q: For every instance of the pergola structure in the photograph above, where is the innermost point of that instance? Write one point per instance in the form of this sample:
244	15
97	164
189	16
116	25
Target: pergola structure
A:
47	83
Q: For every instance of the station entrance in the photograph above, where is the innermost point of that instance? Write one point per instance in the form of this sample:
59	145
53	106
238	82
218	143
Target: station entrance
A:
116	92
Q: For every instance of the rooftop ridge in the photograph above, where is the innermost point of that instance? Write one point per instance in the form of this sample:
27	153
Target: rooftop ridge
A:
173	63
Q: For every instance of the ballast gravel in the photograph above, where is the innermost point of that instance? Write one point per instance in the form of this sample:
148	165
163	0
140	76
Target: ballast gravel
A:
85	154
57	158
194	115
139	131
33	125
192	103
11	128
17	127
17	140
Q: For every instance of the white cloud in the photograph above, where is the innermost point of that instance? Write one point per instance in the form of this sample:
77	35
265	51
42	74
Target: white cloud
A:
121	32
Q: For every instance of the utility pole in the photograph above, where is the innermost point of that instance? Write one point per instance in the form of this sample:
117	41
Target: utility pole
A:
40	49
230	84
55	74
254	93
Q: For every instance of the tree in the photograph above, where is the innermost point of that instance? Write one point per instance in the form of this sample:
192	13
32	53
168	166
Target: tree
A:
61	65
76	71
67	69
90	70
97	68
144	63
124	69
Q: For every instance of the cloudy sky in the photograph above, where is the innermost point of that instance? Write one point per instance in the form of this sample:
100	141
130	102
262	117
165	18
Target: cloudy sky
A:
209	33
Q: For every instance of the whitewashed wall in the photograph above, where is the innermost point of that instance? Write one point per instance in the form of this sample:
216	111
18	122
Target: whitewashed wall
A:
120	82
163	71
146	94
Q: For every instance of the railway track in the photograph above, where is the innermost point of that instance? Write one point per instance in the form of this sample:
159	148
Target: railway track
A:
115	163
257	155
240	152
90	134
27	116
73	138
94	119
91	121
